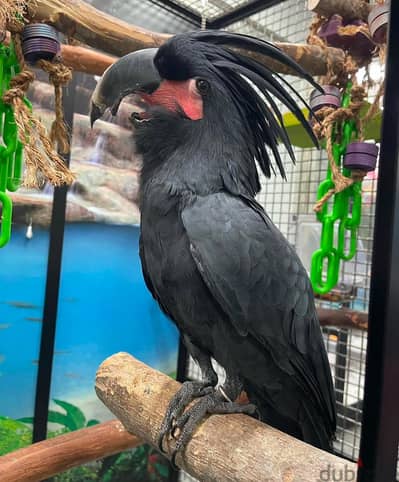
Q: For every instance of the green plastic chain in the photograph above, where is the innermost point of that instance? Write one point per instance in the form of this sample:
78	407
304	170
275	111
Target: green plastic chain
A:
11	148
344	212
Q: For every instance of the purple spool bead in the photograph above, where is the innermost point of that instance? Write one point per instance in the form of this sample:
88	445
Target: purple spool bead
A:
39	42
361	155
330	98
358	45
329	32
378	22
39	30
361	44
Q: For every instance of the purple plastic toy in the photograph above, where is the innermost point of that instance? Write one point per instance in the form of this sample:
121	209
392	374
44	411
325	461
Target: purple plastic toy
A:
361	155
378	22
329	32
330	98
39	42
358	45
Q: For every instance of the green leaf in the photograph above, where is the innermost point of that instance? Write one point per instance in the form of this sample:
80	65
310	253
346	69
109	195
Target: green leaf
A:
61	419
26	420
55	433
75	415
162	470
84	473
91	422
13	435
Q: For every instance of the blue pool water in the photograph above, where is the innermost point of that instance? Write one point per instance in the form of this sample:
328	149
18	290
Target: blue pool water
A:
104	308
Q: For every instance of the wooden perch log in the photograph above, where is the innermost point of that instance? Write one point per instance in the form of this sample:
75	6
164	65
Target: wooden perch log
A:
53	456
343	318
348	9
224	447
99	30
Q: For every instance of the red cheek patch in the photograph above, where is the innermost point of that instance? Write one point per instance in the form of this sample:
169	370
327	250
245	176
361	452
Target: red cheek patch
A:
174	95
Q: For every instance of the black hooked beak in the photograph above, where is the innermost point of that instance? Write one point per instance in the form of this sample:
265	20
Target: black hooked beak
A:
133	73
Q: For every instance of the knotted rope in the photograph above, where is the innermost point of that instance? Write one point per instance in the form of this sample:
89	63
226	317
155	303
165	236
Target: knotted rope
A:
59	76
41	158
330	118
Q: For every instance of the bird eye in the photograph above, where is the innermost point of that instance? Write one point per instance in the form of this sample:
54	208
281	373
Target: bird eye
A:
202	86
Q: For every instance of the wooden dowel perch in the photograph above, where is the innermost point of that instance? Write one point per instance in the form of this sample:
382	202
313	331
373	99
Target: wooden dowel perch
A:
349	10
53	456
85	60
343	318
80	20
224	447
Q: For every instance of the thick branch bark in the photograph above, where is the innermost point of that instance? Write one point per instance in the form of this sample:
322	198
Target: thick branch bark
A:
104	32
343	318
224	447
349	10
83	22
45	459
312	58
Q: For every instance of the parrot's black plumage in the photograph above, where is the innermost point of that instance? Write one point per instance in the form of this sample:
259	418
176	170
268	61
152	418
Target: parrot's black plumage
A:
211	256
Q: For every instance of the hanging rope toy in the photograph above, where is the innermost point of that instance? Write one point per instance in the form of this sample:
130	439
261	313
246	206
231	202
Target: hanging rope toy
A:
341	129
349	163
28	154
42	162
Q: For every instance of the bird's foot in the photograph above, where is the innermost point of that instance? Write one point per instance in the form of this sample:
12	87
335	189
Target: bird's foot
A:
188	392
215	402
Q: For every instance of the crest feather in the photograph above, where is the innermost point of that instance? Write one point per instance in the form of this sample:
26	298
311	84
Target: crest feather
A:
253	85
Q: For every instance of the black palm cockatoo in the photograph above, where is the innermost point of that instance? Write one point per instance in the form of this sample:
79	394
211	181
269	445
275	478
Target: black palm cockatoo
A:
211	256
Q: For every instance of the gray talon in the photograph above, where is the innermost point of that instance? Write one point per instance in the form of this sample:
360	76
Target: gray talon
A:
188	392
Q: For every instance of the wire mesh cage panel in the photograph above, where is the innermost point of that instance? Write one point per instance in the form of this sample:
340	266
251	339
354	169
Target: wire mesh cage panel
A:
211	8
290	205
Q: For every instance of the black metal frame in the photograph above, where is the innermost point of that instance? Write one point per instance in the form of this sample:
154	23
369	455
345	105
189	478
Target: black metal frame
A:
380	425
221	22
180	11
241	13
47	341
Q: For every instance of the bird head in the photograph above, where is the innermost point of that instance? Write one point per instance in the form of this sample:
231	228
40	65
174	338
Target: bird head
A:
203	78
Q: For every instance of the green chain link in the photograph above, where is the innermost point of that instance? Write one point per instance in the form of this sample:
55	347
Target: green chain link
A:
339	217
11	148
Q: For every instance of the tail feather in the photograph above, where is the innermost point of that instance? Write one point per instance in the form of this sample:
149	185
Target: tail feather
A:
314	430
309	426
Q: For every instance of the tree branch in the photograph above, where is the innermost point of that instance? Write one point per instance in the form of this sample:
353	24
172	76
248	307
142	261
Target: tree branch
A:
349	10
224	447
45	459
77	19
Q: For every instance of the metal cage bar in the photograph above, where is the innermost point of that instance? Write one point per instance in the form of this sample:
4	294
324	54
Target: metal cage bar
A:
47	341
242	13
380	426
237	14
